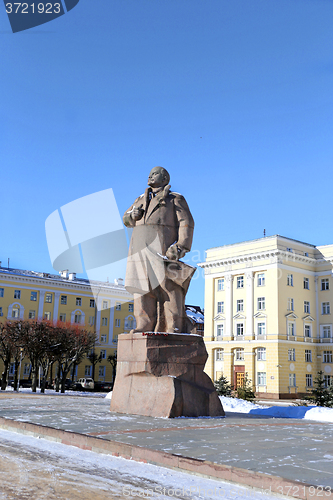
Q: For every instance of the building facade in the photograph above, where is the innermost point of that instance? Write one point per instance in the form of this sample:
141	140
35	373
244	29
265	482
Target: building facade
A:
268	314
106	308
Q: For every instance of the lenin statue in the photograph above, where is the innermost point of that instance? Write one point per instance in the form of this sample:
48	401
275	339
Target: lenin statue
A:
162	234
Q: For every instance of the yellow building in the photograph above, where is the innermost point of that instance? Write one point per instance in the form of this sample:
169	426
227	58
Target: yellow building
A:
106	308
268	314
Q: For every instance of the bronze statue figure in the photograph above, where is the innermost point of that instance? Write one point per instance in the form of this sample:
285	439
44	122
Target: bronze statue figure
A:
162	234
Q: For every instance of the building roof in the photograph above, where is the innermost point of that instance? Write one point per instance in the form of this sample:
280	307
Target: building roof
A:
263	238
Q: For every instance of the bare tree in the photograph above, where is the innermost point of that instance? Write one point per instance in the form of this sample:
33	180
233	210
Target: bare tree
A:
112	359
8	347
75	342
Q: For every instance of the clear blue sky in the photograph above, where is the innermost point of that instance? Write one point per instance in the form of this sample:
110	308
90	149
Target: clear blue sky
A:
233	97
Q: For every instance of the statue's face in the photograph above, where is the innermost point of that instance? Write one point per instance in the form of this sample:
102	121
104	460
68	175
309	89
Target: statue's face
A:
157	178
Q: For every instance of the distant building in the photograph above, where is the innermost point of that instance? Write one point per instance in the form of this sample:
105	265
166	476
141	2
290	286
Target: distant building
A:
268	314
64	297
197	319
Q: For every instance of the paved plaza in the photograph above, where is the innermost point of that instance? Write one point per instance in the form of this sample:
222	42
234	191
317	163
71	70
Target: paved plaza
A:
290	448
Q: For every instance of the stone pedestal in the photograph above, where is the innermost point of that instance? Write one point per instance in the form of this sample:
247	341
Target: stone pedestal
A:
161	375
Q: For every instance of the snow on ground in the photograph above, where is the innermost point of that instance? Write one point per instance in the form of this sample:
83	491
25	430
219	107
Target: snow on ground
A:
315	413
120	477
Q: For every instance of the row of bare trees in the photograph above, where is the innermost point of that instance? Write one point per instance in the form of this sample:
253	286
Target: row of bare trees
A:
44	343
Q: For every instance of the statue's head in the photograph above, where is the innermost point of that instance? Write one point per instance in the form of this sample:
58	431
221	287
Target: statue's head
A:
158	177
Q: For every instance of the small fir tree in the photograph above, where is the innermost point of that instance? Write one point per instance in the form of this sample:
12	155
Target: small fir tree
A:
245	391
321	395
222	386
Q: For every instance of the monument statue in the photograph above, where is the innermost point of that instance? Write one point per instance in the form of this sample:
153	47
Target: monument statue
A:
162	233
160	368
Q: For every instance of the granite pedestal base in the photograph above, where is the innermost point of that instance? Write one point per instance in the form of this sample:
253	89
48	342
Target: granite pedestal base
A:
161	375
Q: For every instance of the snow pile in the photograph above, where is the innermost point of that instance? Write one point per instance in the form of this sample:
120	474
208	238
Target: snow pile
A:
315	413
109	395
238	405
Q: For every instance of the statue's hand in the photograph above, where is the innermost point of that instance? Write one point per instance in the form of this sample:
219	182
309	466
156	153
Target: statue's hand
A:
137	213
175	252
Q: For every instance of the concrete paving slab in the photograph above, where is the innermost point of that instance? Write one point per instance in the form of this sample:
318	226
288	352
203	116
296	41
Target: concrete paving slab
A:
293	449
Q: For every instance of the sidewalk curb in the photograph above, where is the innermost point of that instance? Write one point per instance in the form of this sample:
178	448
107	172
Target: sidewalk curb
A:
259	481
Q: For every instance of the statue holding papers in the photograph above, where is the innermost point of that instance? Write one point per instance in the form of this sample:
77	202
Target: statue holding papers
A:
162	234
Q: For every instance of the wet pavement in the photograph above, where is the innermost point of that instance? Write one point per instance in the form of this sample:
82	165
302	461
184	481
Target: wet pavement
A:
290	448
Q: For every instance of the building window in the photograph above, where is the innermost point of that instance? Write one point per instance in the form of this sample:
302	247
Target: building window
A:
48	298
88	370
261	303
261	378
240	329
2	292
306	306
103	353
290	280
63	300
290	304
92	303
292	379
291	355
240	305
118	306
261	354
261	279
220	285
117	322
101	371
32	314
327	357
104	321
219	330
77	318
308	356
103	338
219	354
105	304
308	380
62	317
306	284
325	307
1	313
327	381
17	294
239	354
26	369
307	331
129	322
240	281
15	312
91	320
47	315
220	307
261	328
33	296
78	301
130	307
325	284
327	332
291	329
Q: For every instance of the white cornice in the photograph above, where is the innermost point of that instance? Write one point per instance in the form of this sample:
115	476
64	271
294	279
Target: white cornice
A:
276	256
105	288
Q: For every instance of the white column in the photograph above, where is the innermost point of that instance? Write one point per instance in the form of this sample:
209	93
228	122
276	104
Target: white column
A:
249	303
111	325
41	304
228	303
56	307
98	303
317	307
